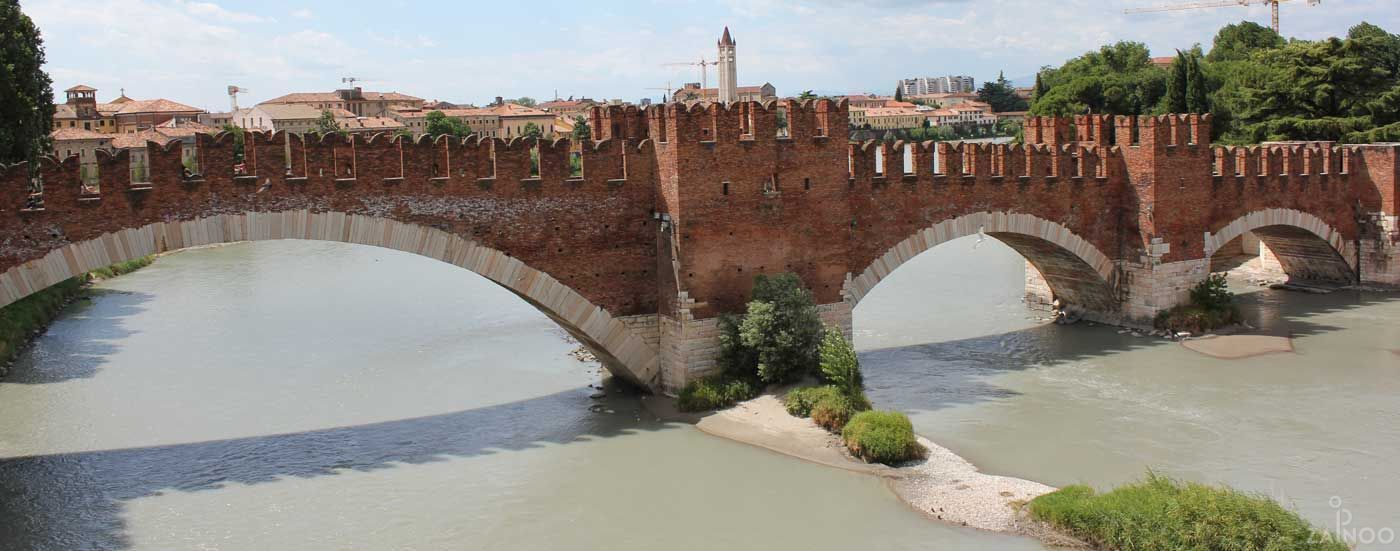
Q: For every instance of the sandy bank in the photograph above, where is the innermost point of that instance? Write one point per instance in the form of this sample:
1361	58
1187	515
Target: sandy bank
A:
944	486
1234	347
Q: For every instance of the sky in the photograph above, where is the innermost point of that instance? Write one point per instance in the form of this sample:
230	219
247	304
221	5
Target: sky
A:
471	52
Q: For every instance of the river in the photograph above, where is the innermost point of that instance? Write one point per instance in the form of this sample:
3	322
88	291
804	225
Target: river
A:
302	395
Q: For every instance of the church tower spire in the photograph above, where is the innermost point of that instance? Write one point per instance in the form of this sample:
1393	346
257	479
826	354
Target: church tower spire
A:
728	75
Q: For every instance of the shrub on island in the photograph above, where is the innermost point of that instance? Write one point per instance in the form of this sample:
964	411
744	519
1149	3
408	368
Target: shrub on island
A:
882	437
714	392
1212	306
1161	513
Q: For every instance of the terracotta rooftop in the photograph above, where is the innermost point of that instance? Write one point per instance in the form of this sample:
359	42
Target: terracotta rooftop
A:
81	88
64	134
318	97
516	110
156	106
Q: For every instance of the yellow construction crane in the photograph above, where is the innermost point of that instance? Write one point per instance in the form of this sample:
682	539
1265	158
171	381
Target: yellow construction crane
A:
1219	4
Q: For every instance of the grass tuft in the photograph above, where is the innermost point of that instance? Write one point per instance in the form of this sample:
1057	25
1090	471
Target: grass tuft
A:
882	437
715	392
1161	513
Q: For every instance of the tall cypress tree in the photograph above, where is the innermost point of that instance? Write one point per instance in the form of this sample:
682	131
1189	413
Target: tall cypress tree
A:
1196	98
1176	84
899	93
26	93
1039	88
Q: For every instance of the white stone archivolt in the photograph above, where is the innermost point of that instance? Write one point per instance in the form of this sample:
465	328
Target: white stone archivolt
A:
1281	217
857	287
635	359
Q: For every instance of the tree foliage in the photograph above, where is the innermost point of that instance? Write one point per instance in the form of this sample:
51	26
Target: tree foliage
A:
840	367
26	92
532	130
439	124
526	101
581	130
327	124
1001	95
237	133
1257	86
1116	79
777	339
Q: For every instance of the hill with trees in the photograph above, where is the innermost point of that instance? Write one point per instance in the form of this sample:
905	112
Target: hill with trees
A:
1258	86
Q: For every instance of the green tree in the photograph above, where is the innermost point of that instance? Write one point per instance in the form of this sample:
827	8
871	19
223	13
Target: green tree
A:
1118	79
899	93
839	365
1240	42
327	124
532	130
439	124
26	92
1001	95
806	95
526	101
1039	89
782	328
581	130
1175	100
1197	92
237	141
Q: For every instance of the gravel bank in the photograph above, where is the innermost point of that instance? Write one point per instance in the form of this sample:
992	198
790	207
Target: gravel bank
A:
943	486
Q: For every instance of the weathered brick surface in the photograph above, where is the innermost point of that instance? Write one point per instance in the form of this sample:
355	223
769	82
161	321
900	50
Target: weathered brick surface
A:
679	207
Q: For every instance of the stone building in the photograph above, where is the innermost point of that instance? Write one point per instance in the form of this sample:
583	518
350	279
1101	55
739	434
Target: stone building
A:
354	100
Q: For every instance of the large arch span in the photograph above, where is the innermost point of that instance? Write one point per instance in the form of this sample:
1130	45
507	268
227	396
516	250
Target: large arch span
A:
1304	246
1075	270
622	351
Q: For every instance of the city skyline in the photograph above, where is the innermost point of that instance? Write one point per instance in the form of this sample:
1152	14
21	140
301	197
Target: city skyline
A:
463	54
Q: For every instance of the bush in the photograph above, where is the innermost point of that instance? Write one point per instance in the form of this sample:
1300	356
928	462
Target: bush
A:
799	401
839	365
714	392
782	329
735	360
882	437
1160	513
833	411
1212	306
123	268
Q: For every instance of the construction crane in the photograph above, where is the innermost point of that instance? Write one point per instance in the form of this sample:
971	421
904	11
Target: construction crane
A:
233	92
1219	4
702	64
668	89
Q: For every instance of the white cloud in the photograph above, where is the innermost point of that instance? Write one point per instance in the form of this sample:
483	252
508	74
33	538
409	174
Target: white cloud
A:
302	13
214	11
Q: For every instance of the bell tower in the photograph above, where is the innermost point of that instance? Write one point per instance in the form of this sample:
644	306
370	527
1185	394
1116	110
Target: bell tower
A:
728	76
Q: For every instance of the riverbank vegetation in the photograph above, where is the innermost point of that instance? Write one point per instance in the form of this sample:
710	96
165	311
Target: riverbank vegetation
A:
1258	86
1212	306
773	342
1161	513
22	319
882	437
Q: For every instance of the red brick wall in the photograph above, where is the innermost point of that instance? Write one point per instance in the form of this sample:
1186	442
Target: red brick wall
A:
740	199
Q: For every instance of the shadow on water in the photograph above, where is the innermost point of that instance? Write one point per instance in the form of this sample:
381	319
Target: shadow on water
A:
59	360
76	500
937	375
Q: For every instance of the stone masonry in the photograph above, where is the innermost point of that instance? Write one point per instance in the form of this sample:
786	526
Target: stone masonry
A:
678	207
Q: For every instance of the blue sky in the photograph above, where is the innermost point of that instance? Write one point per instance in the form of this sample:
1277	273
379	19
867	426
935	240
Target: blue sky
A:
189	51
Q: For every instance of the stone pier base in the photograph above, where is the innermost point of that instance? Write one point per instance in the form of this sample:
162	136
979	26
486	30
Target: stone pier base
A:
690	347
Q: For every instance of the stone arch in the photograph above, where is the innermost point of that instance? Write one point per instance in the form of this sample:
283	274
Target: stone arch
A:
1306	246
1075	269
622	351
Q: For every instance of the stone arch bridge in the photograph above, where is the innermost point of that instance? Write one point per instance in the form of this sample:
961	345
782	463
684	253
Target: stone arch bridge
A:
637	241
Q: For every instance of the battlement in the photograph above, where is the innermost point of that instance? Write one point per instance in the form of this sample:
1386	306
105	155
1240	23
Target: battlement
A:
443	165
696	123
873	162
1283	161
1161	133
